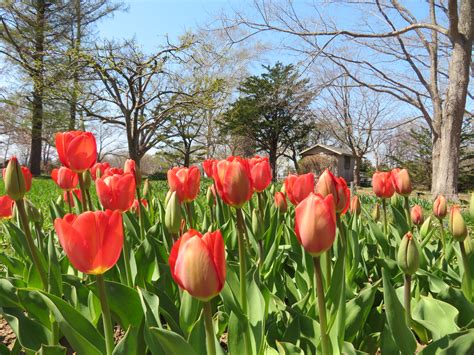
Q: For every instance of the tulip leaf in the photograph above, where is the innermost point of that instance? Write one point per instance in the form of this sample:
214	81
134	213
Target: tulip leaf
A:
436	316
379	236
120	295
33	303
172	343
257	311
457	299
237	328
357	311
30	333
395	317
188	312
80	333
197	335
456	343
52	350
288	349
8	296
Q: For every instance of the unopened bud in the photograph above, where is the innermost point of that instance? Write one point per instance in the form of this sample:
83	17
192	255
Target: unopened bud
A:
457	226
408	258
376	212
15	185
210	198
355	205
167	197
280	202
146	188
416	215
395	200
173	215
440	207
425	228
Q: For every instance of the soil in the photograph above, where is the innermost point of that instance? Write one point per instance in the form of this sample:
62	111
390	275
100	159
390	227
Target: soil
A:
7	337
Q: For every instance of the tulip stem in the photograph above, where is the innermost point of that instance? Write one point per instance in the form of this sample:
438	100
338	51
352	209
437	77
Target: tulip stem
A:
443	238
126	260
341	313
467	270
82	186
210	336
243	275
407	299
68	196
385	222
89	200
321	305
190	214
140	214
31	245
107	321
407	212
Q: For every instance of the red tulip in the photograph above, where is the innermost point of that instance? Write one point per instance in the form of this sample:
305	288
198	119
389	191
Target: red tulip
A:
185	181
15	188
197	263
116	192
208	166
261	173
401	181
355	205
68	198
65	178
130	167
382	184
99	168
280	202
77	150
6	206
298	187
112	171
329	184
417	215
135	206
233	181
440	207
315	223
92	240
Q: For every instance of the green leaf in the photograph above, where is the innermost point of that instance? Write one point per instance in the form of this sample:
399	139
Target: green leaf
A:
52	350
171	342
457	299
436	316
120	295
257	312
81	334
288	349
30	333
396	317
197	337
357	311
189	312
456	343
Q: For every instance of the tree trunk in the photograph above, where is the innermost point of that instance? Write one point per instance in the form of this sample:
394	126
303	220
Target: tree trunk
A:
272	159
38	90
357	166
75	77
447	140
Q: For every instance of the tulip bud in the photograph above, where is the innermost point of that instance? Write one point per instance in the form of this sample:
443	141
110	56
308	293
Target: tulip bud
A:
425	228
280	202
210	199
408	258
376	212
32	212
471	206
395	200
87	179
355	205
15	185
457	226
146	188
440	207
416	215
173	214
167	197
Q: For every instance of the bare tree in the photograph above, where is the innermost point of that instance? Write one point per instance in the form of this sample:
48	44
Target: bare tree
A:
423	64
135	92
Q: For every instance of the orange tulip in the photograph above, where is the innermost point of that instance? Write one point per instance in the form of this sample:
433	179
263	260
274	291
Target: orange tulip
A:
401	182
355	205
185	181
457	226
68	198
197	263
417	215
98	170
208	166
329	184
298	187
233	181
315	223
440	207
92	240
116	192
77	150
261	173
382	184
6	206
65	178
280	202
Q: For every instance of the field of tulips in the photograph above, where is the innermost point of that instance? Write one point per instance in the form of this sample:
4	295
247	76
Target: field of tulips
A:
104	263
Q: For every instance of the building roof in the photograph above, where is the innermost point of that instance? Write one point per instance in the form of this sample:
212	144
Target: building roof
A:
335	150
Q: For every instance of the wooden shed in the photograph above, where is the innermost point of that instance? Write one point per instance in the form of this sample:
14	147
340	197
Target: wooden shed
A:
319	157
